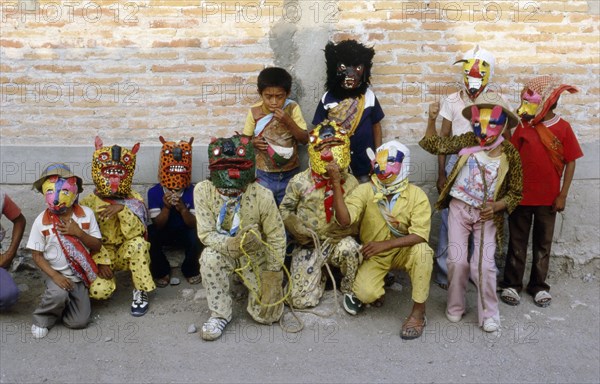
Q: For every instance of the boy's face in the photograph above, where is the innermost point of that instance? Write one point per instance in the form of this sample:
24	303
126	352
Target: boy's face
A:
274	98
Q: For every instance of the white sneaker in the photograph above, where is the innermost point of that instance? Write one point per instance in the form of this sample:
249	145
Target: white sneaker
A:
453	318
213	328
38	332
490	325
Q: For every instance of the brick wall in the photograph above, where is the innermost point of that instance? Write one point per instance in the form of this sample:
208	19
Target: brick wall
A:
134	70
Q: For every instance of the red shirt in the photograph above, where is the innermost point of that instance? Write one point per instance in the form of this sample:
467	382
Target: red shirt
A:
541	183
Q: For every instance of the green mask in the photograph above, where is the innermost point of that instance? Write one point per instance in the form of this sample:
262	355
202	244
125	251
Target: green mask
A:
231	164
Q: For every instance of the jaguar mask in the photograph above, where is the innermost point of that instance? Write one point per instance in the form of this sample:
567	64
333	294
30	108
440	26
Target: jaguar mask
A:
113	168
175	167
328	142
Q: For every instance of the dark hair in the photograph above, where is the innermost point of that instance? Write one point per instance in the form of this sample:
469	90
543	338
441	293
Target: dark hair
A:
553	107
274	77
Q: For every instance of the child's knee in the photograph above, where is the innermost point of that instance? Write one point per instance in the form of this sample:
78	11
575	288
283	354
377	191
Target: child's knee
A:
102	289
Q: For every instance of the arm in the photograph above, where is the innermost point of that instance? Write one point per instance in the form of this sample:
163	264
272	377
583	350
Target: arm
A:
342	215
295	123
17	234
561	199
377	247
377	134
57	277
161	220
446	131
73	229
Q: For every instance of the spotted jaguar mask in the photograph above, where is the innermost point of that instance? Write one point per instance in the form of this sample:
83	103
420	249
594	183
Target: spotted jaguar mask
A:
328	142
175	167
113	168
231	164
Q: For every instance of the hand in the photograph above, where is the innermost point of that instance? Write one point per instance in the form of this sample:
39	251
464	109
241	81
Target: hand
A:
281	116
177	203
233	244
434	110
334	172
559	204
487	213
105	272
297	229
69	228
270	293
63	282
373	248
260	143
167	200
441	181
108	211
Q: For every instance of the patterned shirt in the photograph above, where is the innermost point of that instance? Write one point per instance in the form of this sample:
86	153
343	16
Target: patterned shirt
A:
307	202
257	206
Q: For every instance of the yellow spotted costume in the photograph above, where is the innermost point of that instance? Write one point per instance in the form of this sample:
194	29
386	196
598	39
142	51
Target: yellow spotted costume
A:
124	246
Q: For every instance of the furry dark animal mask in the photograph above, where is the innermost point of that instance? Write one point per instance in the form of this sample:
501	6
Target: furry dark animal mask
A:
350	53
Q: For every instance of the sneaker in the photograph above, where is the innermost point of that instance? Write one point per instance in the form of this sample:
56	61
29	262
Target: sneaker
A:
140	304
213	328
453	318
38	332
490	325
352	305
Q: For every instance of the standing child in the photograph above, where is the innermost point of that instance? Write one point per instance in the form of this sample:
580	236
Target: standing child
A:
478	70
486	180
351	103
9	293
548	148
62	239
276	126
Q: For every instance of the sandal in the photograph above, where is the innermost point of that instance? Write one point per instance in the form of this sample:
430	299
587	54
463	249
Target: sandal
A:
413	328
542	299
194	279
510	296
163	281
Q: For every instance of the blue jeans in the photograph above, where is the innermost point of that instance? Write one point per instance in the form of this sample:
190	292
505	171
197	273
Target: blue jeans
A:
276	181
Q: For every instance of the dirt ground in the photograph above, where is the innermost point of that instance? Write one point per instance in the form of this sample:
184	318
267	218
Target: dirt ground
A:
556	344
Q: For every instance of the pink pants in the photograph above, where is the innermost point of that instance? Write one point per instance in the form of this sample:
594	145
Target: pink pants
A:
463	220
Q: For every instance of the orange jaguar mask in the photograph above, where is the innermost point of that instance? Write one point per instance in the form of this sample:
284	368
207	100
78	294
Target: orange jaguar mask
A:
112	169
175	167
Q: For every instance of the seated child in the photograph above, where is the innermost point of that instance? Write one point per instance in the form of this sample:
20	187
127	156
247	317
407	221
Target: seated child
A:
240	226
276	126
485	181
9	293
171	208
62	239
122	216
307	210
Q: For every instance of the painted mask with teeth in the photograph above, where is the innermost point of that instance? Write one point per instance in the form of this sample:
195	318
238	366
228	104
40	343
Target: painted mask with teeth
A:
175	167
113	168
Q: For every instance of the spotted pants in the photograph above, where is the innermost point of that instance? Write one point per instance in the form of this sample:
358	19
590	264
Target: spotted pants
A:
133	255
308	281
216	269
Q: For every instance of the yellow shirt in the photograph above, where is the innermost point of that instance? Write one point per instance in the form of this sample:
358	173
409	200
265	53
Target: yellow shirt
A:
412	210
276	134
